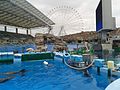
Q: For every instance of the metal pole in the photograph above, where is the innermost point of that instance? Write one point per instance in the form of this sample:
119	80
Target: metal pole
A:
109	72
98	70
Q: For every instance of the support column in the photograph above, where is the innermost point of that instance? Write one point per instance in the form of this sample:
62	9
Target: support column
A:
27	31
17	30
103	36
5	28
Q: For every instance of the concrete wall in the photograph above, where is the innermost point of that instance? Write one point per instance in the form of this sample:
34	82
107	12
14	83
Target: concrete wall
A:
107	46
114	23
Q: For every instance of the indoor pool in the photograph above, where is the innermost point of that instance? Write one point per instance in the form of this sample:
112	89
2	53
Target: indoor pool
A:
56	76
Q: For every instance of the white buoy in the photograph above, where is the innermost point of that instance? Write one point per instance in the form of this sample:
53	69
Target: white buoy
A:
110	64
46	63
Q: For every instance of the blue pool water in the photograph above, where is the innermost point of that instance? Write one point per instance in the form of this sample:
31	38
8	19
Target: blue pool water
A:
57	76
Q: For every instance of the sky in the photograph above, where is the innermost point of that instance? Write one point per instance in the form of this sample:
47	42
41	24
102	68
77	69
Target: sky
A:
85	8
83	14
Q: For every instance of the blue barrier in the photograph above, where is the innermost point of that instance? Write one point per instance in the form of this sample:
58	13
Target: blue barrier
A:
77	58
6	56
99	62
18	48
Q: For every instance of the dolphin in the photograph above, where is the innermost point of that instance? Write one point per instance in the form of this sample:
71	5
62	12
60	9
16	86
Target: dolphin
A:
21	72
2	80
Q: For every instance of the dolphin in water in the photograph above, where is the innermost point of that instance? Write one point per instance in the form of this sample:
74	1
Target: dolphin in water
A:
20	72
2	80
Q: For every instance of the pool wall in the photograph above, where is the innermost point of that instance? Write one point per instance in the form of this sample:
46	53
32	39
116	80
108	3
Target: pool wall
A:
6	57
37	56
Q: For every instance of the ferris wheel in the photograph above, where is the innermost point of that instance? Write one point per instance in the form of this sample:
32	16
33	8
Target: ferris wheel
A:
67	20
